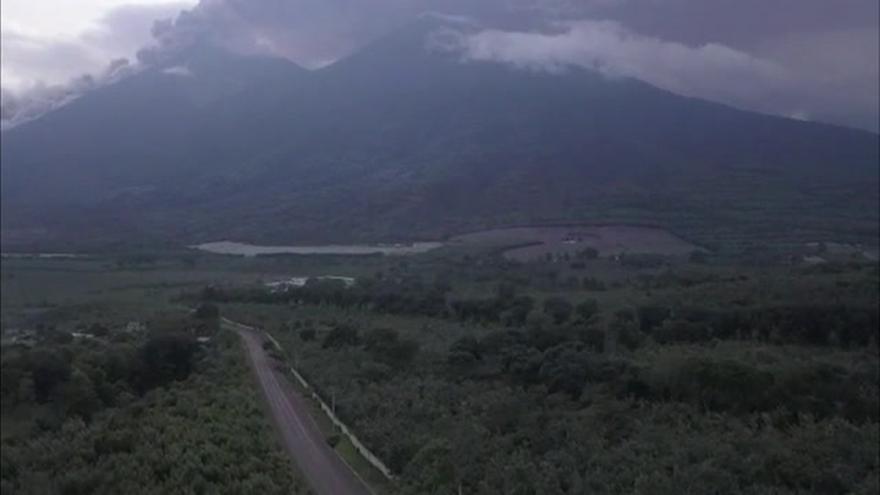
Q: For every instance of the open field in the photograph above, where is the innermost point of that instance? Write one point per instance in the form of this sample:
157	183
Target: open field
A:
126	285
536	242
242	249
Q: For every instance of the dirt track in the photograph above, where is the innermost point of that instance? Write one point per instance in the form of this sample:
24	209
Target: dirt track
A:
326	473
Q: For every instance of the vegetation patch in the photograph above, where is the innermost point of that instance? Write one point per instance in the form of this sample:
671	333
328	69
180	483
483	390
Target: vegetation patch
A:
162	415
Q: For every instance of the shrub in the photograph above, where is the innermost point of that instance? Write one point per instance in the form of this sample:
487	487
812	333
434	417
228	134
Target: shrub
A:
207	311
164	358
307	334
558	309
343	335
48	370
587	309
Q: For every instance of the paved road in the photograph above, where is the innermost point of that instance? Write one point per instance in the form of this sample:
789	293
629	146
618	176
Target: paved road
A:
325	471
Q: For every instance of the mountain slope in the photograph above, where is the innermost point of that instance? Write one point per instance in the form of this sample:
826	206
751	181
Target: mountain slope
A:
402	140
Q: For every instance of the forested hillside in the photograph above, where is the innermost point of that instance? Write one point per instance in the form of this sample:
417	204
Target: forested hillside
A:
403	140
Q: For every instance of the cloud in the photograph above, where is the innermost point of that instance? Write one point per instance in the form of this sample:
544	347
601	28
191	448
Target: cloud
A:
830	49
710	71
31	57
53	60
41	72
312	32
178	70
804	57
836	74
40	98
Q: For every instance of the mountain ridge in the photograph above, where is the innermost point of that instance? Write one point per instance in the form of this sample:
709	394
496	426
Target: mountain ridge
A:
398	142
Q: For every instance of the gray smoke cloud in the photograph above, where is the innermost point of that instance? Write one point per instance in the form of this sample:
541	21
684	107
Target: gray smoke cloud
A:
811	59
37	100
41	74
313	33
711	71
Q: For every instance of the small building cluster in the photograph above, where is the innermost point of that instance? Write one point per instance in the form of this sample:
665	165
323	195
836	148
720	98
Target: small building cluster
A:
295	282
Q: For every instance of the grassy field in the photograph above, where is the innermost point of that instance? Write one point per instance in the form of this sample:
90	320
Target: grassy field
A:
537	242
124	287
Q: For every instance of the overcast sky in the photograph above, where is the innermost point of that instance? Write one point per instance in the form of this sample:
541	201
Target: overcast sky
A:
809	59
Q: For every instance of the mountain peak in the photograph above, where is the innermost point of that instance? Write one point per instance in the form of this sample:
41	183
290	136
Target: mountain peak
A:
205	59
426	42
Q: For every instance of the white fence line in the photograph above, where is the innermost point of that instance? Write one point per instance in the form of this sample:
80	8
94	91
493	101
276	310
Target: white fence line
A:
328	411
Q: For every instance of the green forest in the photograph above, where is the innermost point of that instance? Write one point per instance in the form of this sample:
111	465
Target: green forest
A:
462	370
488	376
152	414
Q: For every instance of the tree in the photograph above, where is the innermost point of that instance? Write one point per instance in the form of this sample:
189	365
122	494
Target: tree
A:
79	397
98	330
164	358
587	309
307	334
12	371
558	309
116	363
207	311
571	282
518	311
624	330
537	320
467	349
376	338
386	346
48	370
698	257
593	284
564	369
505	292
588	253
342	335
652	316
56	336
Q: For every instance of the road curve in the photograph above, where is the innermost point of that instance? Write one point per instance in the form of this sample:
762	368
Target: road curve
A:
326	473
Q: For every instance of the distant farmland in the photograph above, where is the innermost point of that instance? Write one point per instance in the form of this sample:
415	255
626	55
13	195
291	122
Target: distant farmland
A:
534	242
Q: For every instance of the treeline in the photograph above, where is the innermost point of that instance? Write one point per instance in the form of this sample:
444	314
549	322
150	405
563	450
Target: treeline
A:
82	377
411	297
671	383
571	363
542	409
813	324
401	296
387	352
384	344
827	324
